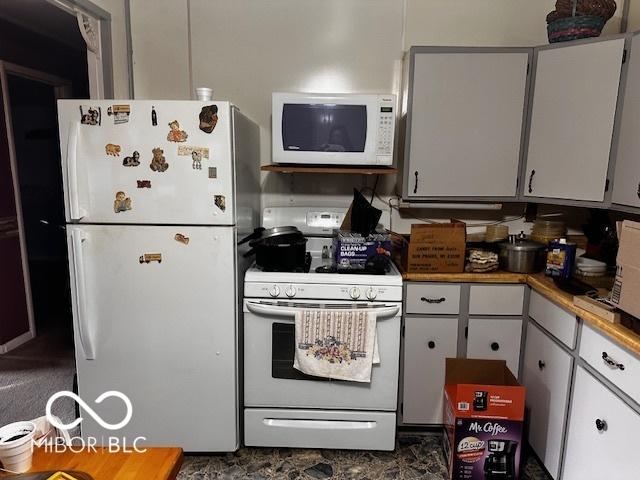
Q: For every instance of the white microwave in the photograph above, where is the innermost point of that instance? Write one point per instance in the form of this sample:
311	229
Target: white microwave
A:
333	129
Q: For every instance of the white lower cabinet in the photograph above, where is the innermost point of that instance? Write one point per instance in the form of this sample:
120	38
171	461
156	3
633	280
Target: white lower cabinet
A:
602	437
546	374
495	339
427	342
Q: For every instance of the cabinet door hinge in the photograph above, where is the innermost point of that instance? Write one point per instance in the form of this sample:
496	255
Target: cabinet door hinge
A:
401	408
528	68
624	56
402	331
466	332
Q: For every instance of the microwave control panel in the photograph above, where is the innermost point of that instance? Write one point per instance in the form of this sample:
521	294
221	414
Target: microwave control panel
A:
386	129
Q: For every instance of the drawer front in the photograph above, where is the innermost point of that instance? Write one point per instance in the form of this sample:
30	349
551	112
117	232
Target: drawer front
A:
496	300
612	361
433	298
427	343
545	374
609	452
264	427
560	323
495	339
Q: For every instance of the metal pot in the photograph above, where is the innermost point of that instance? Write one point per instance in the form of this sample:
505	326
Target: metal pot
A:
521	255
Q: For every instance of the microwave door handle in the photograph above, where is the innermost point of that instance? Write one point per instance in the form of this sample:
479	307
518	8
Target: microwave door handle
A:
282	311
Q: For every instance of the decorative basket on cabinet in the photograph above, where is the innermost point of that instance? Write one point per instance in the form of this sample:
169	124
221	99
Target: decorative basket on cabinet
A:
574	19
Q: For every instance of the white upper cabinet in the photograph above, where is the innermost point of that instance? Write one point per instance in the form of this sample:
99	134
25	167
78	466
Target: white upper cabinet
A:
465	116
626	186
574	102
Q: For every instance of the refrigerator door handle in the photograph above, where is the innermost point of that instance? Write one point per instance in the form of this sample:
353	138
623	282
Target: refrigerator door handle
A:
77	237
75	212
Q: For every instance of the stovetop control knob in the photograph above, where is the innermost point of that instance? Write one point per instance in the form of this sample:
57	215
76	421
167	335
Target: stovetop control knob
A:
371	293
290	291
274	291
354	292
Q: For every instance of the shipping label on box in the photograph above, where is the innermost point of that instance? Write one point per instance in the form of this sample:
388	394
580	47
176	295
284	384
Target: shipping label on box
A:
436	248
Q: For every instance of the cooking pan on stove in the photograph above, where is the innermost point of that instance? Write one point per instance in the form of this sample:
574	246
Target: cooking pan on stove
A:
281	249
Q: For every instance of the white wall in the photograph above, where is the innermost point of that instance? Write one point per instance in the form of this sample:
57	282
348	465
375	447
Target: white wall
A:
246	49
160	38
119	45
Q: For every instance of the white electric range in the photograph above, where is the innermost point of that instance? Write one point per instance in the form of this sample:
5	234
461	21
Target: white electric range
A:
282	406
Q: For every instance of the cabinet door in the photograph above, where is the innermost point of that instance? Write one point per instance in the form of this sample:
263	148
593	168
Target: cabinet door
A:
465	122
546	375
626	186
603	430
495	339
427	342
574	105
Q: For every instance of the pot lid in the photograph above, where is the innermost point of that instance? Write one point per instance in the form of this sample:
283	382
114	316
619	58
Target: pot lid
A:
522	245
277	231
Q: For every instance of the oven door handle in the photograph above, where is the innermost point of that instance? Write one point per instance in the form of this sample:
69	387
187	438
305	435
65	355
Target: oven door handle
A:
281	311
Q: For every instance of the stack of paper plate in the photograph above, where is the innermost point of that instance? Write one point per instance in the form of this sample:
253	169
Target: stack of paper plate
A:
588	267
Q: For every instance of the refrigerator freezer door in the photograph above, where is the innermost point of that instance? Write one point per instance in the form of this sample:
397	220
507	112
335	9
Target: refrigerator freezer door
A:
133	171
155	318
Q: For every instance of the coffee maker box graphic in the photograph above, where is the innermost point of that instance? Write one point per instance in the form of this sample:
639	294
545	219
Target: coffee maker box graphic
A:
483	417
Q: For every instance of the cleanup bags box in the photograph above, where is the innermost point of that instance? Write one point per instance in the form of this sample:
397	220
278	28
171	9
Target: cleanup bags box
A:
627	283
483	418
436	248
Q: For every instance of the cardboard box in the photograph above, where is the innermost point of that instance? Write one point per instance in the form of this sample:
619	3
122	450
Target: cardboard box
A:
483	418
435	248
626	287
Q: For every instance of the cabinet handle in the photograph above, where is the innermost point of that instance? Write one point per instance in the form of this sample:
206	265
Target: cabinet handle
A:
638	192
495	346
541	364
601	425
431	344
611	362
533	172
415	188
433	300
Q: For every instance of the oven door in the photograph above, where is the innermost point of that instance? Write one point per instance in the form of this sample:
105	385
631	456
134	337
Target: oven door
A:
271	381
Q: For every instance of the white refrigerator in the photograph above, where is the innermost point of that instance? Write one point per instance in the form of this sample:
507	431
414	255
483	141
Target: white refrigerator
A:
157	194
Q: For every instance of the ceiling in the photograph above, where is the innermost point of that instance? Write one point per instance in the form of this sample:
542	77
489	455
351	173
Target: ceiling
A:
45	18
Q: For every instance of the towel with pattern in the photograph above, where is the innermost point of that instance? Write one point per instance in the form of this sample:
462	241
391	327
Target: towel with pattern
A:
337	344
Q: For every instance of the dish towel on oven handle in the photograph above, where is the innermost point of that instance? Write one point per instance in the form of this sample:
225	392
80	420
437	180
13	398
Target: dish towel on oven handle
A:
338	344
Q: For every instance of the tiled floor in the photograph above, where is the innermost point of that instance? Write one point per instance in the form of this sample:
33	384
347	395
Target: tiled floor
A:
416	457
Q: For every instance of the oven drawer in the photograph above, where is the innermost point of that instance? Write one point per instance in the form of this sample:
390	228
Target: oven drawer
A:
433	298
318	429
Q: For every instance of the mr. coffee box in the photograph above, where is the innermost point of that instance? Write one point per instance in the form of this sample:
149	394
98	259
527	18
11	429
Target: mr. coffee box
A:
483	418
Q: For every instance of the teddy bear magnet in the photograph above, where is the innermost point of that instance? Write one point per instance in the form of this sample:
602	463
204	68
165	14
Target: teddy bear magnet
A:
158	162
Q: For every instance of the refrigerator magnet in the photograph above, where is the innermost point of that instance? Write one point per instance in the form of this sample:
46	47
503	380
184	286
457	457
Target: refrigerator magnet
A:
133	160
144	183
120	113
112	149
90	115
187	151
208	118
219	200
196	163
181	238
154	116
150	257
122	203
213	172
175	134
158	162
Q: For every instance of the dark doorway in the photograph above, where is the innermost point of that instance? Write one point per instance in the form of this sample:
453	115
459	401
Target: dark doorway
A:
35	135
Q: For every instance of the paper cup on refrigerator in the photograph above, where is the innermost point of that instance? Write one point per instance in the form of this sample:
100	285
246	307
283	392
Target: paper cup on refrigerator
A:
204	94
16	450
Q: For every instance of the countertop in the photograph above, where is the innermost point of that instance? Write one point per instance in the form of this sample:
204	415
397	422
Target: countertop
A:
544	286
